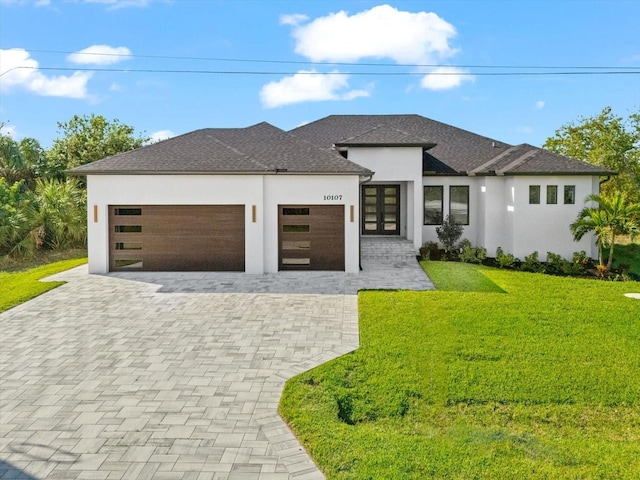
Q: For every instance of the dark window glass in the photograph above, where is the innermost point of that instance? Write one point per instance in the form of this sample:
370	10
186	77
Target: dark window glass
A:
128	246
433	205
534	194
128	211
459	204
295	228
569	194
295	211
552	194
128	228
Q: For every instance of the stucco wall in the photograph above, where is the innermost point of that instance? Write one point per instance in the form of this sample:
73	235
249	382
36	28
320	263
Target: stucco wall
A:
501	216
265	192
545	228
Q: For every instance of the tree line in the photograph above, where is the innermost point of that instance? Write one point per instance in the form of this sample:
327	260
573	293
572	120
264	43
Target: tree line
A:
42	206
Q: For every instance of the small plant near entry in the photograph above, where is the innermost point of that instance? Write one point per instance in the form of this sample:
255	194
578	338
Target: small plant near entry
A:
557	265
471	254
449	234
430	251
532	264
504	260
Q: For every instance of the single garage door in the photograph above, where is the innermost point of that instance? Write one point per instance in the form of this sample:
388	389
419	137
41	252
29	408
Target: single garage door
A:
176	237
311	237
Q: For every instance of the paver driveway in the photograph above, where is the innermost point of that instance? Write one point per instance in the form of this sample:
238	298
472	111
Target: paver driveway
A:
109	378
174	376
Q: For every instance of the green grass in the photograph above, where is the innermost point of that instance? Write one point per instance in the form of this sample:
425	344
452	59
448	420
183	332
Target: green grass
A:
18	287
459	277
539	382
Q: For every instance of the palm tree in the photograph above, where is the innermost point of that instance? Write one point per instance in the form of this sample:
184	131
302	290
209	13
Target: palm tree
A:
59	210
610	219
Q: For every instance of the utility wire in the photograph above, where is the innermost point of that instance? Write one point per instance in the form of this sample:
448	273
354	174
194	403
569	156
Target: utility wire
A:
256	72
300	62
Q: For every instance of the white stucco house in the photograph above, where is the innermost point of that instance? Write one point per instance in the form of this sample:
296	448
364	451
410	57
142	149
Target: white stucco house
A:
260	199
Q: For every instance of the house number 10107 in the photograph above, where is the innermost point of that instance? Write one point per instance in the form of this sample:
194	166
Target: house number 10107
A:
333	197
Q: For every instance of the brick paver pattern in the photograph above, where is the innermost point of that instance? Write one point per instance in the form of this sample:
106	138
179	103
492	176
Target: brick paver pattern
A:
169	376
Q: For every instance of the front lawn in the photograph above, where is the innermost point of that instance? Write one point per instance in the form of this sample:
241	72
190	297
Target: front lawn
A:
511	376
18	287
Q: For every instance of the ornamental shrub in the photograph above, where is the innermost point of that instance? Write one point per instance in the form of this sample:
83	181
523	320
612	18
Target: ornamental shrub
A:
470	254
504	260
449	233
532	264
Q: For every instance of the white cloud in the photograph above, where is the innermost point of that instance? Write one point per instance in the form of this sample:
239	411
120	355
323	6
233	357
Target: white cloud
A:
100	55
309	86
19	70
444	78
381	32
161	135
524	129
540	104
294	20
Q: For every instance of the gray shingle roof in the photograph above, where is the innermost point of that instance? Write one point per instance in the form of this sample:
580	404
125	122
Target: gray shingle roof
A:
261	148
309	149
454	150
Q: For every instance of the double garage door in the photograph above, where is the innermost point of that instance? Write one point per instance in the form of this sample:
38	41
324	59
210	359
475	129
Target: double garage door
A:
176	238
212	237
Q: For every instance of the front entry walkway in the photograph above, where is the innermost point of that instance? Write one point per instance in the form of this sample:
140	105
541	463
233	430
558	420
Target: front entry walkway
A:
168	376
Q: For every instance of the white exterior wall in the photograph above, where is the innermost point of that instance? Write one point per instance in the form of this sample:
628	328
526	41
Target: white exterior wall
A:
265	192
403	166
545	228
501	216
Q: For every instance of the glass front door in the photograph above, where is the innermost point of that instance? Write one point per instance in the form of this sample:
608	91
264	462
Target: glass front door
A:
381	210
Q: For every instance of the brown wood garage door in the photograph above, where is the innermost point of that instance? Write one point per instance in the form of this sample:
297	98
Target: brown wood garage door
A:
311	237
176	237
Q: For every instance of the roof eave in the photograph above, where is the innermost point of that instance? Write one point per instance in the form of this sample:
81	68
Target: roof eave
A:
258	172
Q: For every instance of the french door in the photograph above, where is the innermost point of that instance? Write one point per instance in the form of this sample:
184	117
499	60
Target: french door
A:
381	210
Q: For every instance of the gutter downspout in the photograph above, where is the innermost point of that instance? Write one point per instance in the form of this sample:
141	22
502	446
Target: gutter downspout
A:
606	179
362	182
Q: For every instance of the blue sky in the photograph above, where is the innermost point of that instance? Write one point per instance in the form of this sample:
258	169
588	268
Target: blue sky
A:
324	57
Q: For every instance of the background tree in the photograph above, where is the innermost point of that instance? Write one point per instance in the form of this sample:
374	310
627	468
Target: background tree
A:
24	160
85	139
609	141
610	219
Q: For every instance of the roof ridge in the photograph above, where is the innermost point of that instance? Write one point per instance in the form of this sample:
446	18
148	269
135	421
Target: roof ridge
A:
493	160
520	160
239	152
360	134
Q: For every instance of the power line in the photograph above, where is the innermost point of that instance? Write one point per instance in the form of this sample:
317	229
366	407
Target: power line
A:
381	64
258	72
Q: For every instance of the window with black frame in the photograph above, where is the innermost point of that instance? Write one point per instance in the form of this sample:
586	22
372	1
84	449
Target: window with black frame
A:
459	204
433	204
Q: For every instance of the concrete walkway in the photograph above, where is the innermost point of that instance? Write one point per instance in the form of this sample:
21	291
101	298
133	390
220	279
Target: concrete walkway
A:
169	376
